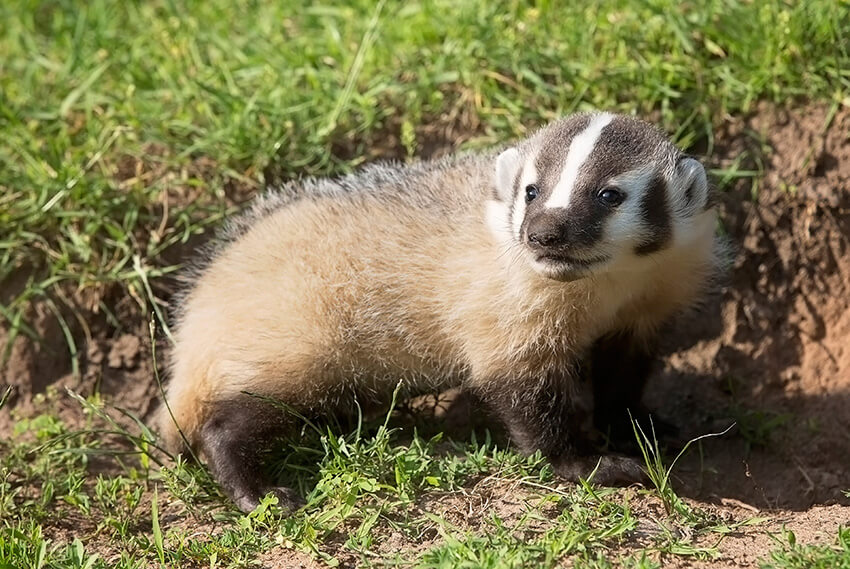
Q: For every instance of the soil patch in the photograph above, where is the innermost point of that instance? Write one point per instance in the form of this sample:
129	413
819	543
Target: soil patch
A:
772	352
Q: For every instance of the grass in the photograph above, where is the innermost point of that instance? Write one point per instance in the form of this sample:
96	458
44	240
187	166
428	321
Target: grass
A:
129	129
361	488
791	555
659	472
379	496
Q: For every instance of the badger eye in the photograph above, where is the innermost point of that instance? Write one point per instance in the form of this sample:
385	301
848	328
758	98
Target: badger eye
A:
611	196
531	192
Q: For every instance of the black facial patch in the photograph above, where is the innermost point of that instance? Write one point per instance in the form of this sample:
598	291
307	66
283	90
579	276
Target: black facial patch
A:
624	145
549	164
656	213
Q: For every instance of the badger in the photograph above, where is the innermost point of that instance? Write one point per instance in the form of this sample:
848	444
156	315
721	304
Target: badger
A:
535	278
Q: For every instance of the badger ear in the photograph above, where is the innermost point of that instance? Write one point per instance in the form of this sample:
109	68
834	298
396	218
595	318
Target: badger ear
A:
693	184
507	165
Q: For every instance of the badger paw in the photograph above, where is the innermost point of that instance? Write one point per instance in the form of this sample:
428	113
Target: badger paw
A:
287	499
605	470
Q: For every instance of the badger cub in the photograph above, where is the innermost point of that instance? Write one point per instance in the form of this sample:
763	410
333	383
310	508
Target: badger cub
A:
535	278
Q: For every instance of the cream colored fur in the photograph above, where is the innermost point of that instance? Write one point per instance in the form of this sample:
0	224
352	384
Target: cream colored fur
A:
367	286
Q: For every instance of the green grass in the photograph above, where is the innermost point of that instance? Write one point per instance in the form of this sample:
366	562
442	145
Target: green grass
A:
360	488
94	496
792	555
130	127
110	110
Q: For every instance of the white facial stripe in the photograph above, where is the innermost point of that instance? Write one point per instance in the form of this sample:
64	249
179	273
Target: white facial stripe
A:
518	213
529	176
497	216
580	149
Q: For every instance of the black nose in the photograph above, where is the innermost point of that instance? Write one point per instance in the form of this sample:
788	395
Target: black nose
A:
548	239
546	232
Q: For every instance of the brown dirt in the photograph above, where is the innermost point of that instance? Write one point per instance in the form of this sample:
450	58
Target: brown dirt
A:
770	352
773	351
115	362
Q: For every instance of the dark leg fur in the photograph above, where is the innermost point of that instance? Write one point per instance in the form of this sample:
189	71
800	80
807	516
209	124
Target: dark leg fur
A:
233	441
619	366
548	416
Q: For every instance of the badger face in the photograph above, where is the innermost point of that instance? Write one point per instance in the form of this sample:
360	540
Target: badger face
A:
593	193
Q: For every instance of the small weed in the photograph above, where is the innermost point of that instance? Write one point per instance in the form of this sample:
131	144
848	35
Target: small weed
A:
792	555
679	541
659	474
684	521
191	484
757	426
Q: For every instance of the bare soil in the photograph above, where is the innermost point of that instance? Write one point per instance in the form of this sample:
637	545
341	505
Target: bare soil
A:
770	352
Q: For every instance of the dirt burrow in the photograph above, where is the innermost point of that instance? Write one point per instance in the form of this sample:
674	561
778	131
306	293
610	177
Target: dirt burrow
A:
771	351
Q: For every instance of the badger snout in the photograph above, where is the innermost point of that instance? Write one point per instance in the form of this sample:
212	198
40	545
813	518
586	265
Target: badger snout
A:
546	233
563	249
558	229
549	231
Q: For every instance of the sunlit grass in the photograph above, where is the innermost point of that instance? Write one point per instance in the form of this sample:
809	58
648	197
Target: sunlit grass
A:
125	125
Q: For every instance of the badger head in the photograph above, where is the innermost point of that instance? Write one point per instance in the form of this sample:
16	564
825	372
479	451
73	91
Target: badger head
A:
596	192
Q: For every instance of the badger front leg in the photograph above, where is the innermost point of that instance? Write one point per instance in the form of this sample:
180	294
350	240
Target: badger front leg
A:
551	415
233	441
618	366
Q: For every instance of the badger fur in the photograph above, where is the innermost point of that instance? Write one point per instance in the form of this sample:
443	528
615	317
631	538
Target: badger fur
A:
535	278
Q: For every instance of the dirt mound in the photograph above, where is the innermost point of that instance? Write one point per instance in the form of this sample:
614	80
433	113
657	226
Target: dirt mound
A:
109	352
771	353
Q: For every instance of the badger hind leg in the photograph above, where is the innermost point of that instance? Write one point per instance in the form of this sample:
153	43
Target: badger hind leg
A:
233	440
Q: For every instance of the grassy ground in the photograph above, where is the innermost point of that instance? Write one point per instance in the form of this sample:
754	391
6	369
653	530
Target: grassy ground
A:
128	128
375	497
